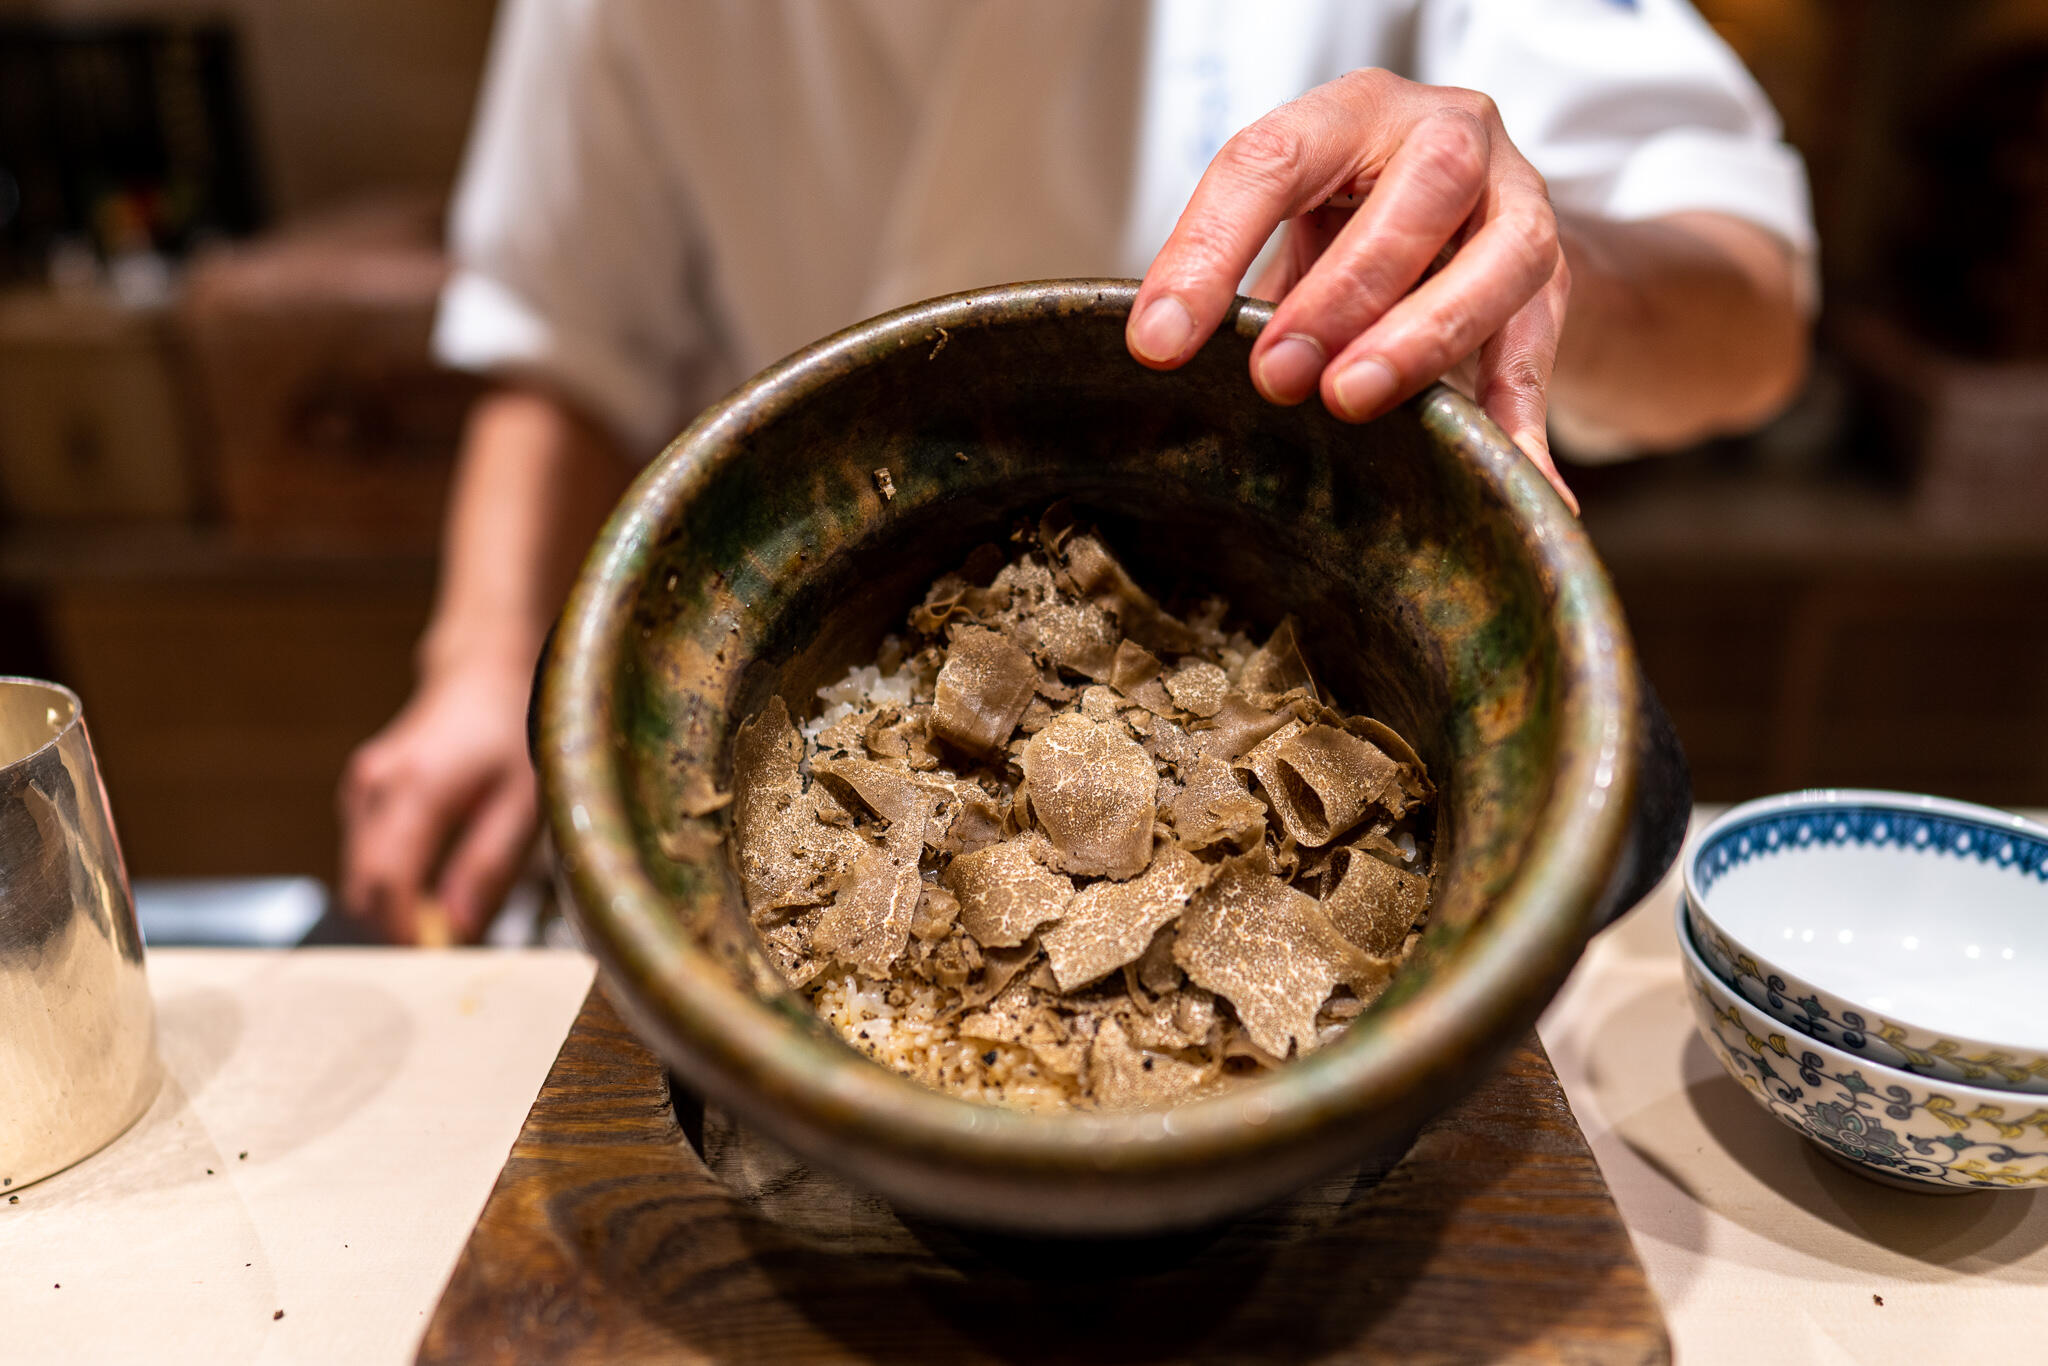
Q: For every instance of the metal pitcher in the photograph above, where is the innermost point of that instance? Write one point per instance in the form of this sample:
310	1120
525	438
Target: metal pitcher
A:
78	1058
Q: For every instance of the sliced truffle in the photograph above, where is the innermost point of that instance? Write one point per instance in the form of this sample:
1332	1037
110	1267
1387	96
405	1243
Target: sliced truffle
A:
868	925
942	804
1194	1011
785	856
1099	577
1133	664
1372	903
829	809
1261	759
1005	893
938	910
1002	1018
1157	973
1322	780
880	789
1099	703
902	736
1214	808
1066	1054
1151	1025
1373	840
1270	951
977	822
789	947
847	735
1126	1077
1238	1043
1154	698
1414	778
982	690
924	669
1109	924
1092	791
1171	745
1037	712
999	968
1239	727
941	601
1055	689
948	962
1276	667
869	922
1077	636
1286	858
1198	687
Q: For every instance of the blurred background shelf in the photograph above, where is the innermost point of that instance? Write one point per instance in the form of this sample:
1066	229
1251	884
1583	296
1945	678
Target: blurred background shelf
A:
1812	631
224	449
224	686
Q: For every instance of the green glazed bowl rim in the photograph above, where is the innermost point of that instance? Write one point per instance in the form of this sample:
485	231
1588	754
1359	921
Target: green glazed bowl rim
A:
669	984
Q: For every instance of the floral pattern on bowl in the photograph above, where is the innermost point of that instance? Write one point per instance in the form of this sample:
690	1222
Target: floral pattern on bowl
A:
1880	1040
1948	834
1891	1126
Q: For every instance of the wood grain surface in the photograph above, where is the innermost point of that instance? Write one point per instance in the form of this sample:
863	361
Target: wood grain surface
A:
611	1238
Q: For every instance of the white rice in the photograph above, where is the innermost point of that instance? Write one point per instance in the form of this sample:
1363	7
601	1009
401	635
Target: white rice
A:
898	1025
897	1022
865	688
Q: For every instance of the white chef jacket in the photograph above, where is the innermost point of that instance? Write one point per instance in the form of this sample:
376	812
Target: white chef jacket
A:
662	196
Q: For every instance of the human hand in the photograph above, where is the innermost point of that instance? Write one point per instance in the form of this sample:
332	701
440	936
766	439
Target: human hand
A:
1441	187
450	772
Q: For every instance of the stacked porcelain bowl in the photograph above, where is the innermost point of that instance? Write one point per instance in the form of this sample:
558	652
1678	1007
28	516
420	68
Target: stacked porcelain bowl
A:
1873	968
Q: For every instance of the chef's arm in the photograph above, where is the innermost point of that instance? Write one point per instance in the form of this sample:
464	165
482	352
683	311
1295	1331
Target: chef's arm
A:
1680	328
1421	243
442	801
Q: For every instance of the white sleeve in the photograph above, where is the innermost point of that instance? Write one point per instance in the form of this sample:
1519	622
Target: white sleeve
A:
1630	109
572	240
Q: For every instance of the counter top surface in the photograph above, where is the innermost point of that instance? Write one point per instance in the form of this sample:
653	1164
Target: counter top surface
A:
377	1092
1758	1248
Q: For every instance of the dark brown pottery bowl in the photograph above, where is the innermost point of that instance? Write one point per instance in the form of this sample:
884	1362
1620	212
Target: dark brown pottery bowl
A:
1440	584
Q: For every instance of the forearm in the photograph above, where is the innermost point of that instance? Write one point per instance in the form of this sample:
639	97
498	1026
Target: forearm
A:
1678	329
533	484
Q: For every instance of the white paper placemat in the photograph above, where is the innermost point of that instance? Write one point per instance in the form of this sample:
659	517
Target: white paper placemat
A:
1758	1248
375	1093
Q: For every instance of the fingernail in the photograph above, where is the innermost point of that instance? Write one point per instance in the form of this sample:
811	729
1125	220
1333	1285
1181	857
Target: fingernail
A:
1364	388
1536	445
1163	329
1288	372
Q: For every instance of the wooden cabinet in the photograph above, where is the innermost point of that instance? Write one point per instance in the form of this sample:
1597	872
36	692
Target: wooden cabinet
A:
1812	633
224	688
93	426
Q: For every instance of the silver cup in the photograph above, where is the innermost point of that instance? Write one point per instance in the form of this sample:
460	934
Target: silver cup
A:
77	1032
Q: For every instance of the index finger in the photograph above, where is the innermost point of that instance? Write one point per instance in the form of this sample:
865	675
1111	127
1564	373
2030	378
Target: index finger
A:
1274	169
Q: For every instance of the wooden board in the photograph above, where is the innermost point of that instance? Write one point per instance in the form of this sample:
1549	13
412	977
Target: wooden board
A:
609	1239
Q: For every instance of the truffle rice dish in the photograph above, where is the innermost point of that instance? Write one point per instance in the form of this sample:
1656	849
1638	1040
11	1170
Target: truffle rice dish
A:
1058	847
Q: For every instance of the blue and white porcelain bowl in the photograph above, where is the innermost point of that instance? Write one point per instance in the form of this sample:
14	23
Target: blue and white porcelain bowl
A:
1891	1126
1903	930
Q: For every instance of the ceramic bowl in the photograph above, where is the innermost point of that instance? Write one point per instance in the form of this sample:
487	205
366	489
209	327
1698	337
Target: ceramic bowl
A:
1908	930
1918	1132
1442	583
